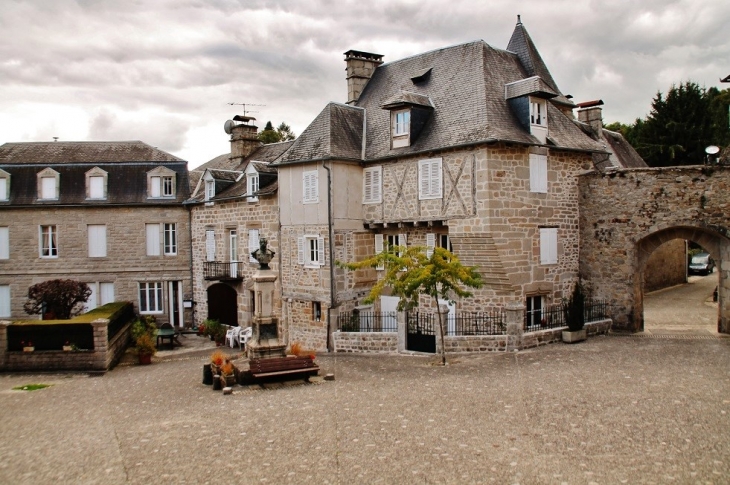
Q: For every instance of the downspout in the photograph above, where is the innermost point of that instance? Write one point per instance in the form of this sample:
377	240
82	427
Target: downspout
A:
192	273
333	294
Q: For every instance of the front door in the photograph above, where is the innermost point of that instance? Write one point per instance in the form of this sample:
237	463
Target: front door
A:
176	304
222	304
389	310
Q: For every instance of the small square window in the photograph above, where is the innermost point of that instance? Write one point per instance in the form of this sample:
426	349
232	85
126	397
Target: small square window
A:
316	311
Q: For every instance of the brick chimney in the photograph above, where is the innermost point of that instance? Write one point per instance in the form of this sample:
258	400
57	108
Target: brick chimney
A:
591	113
244	140
360	68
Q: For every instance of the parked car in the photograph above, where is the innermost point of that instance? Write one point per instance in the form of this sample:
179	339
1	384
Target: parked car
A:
701	263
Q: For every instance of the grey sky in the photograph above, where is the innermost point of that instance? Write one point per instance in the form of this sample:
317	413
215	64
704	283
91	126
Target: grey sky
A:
164	71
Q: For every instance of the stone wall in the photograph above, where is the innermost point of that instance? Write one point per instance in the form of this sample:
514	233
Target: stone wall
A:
667	266
627	214
366	342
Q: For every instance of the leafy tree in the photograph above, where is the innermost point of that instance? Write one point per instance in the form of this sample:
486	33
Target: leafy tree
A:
281	133
410	272
63	298
285	133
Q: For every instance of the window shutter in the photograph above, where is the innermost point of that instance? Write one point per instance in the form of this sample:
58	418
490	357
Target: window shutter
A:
153	239
538	173
320	250
3	189
423	183
97	240
300	249
430	244
368	189
548	245
48	188
4	300
155	188
210	245
91	303
4	243
96	187
430	184
253	243
106	293
436	178
379	248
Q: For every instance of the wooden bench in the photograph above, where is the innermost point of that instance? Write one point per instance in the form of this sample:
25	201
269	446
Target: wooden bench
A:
281	367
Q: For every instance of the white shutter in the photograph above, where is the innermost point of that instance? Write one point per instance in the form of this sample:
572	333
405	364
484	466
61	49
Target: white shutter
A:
430	244
96	187
4	243
429	179
3	188
106	292
402	240
436	178
91	302
155	188
377	184
368	189
311	188
320	250
253	243
379	248
97	240
300	250
210	245
48	187
153	239
548	245
538	173
4	300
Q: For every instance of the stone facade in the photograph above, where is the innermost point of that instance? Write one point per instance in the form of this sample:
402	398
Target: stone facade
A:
667	266
626	215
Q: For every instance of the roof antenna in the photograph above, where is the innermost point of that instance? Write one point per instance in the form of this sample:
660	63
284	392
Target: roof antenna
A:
519	22
244	107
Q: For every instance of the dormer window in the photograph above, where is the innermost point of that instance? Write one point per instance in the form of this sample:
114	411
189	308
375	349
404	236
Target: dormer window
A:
4	185
209	189
48	182
401	126
96	180
409	113
252	186
538	112
161	183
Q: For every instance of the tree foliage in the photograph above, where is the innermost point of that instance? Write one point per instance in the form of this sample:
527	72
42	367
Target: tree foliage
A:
62	298
411	272
680	125
281	133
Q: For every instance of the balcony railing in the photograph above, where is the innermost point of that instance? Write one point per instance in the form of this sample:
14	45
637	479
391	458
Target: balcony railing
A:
223	270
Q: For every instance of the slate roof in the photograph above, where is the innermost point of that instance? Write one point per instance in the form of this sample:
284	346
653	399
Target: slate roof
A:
82	152
222	162
619	152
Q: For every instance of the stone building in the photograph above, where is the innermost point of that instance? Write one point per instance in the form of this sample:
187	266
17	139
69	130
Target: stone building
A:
106	213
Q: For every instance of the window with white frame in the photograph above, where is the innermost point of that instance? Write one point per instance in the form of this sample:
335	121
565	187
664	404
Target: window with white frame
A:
233	244
310	187
538	112
48	242
168	186
4	243
97	240
538	173
209	189
210	245
253	244
252	186
4	185
430	184
4	300
392	240
400	124
311	251
161	182
548	245
372	185
150	297
533	310
170	238
437	240
48	187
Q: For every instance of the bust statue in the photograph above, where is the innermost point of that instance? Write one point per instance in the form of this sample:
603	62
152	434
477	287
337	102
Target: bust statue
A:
263	254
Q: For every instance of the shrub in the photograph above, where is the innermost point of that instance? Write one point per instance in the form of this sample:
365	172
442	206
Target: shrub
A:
61	298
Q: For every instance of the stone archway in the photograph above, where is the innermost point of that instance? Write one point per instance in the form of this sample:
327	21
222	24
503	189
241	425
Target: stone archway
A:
711	239
223	304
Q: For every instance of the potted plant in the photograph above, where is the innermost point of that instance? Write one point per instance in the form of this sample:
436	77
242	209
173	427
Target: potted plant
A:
574	312
67	347
217	359
227	374
143	333
27	346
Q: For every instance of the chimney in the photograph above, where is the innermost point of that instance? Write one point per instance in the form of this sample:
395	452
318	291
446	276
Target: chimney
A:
244	138
591	112
360	68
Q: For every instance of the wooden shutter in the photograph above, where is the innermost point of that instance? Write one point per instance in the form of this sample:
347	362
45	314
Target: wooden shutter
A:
96	187
3	188
253	243
155	188
300	250
210	245
91	303
429	179
368	188
97	240
4	300
153	239
48	188
430	244
548	245
538	173
4	243
311	189
320	250
436	178
379	248
106	292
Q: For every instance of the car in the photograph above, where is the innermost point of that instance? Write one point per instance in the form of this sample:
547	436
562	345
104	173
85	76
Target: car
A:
701	263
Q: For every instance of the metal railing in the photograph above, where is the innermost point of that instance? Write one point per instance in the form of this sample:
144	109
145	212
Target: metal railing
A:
223	270
553	316
462	323
357	321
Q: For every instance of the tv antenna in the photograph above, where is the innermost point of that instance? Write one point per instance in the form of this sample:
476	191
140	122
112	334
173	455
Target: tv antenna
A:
245	111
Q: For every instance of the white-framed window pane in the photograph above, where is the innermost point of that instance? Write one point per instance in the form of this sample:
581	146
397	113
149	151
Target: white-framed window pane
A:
372	185
96	187
4	300
155	187
252	181
313	251
49	242
150	297
429	179
170	230
402	123
233	244
311	187
210	245
168	187
97	240
533	310
548	245
3	188
106	293
152	232
538	173
48	188
4	243
209	189
253	243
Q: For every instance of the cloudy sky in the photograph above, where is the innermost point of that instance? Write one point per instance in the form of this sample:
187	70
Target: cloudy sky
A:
164	72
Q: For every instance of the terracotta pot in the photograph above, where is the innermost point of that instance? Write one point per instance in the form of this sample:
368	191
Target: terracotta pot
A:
145	359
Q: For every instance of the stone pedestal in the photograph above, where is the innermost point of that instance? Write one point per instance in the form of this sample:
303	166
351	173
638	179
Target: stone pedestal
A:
265	340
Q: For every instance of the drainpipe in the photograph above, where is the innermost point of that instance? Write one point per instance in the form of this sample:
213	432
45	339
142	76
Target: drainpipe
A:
333	294
192	275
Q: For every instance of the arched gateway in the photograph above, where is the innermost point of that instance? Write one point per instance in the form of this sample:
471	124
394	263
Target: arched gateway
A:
627	214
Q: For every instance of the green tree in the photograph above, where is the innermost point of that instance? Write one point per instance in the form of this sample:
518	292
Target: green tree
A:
285	133
62	298
281	133
411	272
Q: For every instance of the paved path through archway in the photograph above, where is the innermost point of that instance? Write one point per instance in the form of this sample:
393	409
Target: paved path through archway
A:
682	310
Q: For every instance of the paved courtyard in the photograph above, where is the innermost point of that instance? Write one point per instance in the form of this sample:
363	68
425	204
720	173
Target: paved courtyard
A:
613	409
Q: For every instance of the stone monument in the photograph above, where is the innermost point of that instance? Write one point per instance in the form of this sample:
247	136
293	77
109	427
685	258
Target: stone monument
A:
265	341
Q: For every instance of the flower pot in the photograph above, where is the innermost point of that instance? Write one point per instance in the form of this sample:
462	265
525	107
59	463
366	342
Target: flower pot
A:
145	359
227	381
571	337
67	348
28	349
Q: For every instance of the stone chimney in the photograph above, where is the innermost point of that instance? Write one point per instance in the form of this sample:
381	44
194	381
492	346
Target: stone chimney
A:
591	112
244	140
360	68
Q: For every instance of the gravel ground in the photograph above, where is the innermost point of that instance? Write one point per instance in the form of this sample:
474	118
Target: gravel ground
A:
613	409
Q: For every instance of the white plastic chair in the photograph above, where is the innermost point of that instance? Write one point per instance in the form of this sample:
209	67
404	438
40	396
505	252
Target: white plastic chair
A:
232	335
243	337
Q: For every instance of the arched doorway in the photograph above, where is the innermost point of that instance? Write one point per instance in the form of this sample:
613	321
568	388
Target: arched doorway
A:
712	240
223	304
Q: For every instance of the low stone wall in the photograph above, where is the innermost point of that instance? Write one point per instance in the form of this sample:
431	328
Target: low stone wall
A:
544	337
473	343
366	342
